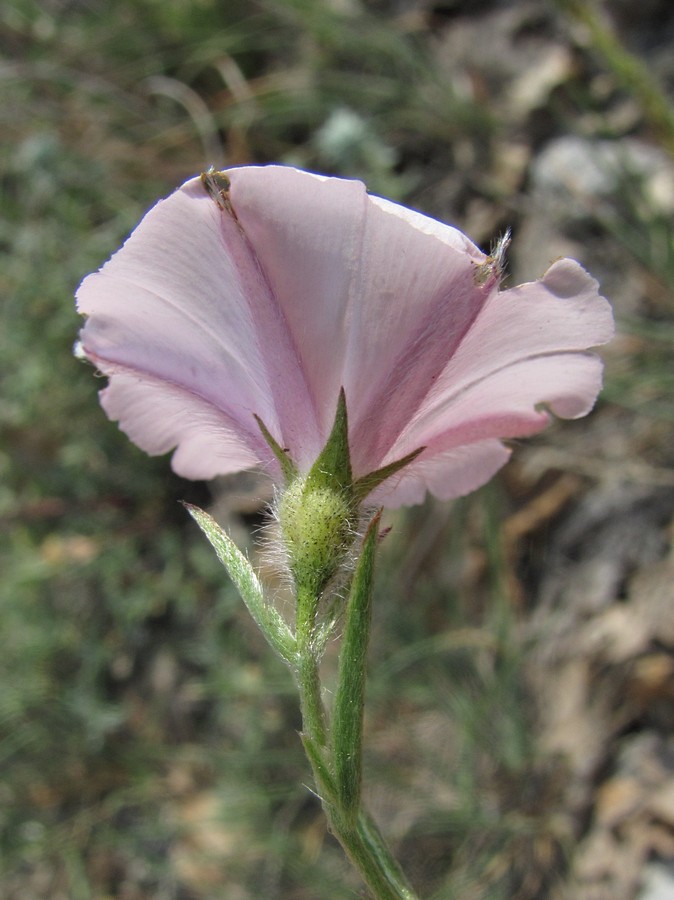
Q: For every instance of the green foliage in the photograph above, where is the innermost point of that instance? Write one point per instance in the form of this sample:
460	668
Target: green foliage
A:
478	825
643	380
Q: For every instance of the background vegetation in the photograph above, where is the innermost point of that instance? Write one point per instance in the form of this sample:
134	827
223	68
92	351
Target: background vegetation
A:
148	741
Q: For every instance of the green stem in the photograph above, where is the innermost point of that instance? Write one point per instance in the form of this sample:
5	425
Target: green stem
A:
359	835
368	852
362	840
308	676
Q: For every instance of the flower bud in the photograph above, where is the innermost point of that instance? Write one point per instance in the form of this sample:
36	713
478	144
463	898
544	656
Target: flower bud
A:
318	524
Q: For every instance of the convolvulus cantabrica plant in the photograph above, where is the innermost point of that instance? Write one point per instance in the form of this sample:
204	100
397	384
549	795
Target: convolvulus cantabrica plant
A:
361	355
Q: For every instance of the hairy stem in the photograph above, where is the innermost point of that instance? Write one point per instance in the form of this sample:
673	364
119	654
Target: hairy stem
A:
353	827
308	675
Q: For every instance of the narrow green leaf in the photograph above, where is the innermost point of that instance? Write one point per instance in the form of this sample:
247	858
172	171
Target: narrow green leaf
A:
272	625
377	849
347	738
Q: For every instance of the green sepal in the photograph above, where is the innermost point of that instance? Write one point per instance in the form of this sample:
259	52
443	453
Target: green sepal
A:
368	483
288	467
347	736
332	468
272	625
318	517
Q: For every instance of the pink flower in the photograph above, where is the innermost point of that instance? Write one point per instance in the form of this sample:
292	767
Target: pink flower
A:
267	298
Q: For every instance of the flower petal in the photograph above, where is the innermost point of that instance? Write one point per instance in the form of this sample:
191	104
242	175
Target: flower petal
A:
306	231
295	286
418	296
377	297
184	304
524	350
158	417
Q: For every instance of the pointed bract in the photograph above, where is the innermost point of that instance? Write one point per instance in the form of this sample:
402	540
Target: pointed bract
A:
332	469
365	485
288	467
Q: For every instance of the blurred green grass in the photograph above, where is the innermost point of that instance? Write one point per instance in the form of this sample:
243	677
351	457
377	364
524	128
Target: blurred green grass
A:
147	739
